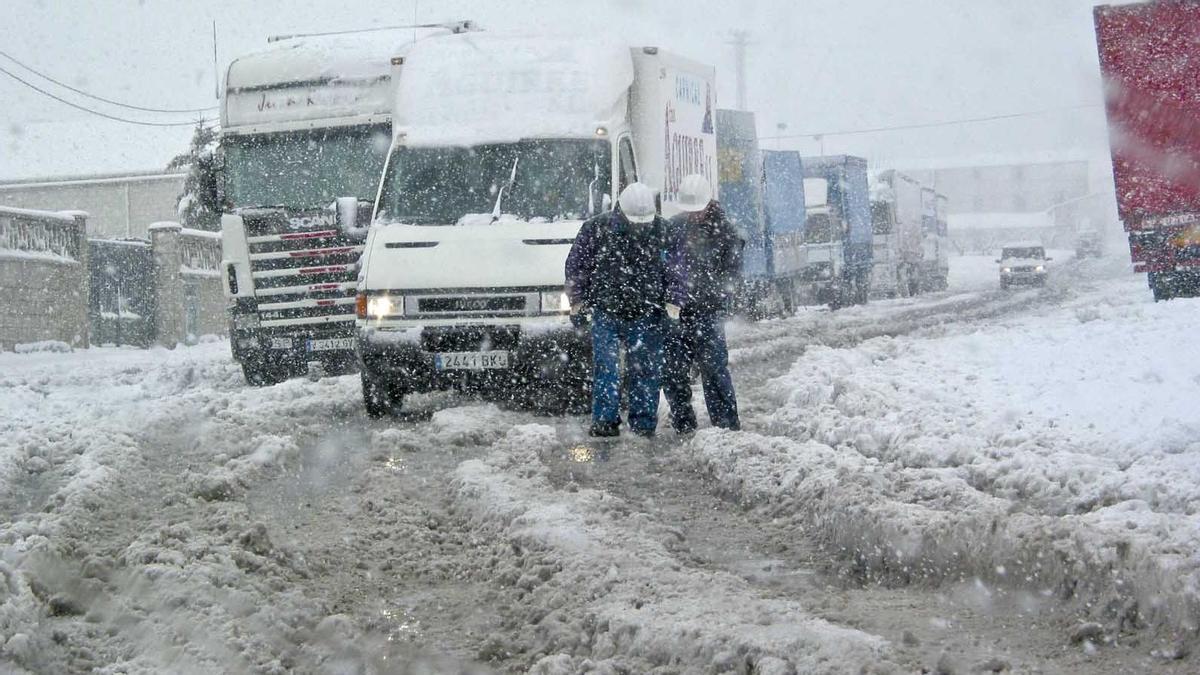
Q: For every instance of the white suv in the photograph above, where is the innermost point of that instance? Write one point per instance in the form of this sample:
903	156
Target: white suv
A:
1023	264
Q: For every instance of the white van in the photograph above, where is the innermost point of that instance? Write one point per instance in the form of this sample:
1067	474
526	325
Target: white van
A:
502	146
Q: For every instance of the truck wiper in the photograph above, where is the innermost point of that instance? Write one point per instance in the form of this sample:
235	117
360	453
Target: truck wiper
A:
512	176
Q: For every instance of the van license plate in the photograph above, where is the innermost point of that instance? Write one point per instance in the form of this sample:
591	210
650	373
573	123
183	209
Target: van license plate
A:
330	344
470	360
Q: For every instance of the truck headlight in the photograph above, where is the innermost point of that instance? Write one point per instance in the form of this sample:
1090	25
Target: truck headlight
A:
383	306
556	301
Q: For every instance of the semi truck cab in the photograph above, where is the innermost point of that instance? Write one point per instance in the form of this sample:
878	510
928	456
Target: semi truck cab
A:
303	122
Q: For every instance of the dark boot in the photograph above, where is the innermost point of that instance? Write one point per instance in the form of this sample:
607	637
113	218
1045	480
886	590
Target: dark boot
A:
605	429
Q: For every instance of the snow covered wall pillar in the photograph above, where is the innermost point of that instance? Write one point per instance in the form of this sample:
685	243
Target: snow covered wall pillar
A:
44	274
168	283
187	281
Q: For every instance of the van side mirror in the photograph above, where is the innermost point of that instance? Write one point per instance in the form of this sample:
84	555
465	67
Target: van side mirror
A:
347	217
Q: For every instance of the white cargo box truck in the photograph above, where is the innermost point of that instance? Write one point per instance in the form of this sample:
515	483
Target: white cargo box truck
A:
502	146
896	219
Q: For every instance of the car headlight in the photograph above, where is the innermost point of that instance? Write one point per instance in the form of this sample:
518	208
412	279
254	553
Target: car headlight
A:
1040	268
383	306
1005	270
556	301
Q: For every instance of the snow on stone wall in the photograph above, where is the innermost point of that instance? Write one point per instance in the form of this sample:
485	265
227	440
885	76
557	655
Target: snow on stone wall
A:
43	271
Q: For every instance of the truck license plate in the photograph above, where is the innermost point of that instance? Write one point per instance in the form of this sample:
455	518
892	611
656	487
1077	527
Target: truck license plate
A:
330	344
470	360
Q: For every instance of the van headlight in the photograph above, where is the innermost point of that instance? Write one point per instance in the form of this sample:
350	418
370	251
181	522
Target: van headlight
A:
383	306
1039	269
556	302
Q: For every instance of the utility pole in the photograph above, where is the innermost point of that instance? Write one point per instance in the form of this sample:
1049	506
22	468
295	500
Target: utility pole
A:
216	68
741	40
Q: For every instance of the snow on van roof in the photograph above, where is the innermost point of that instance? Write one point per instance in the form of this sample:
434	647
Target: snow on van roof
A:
477	88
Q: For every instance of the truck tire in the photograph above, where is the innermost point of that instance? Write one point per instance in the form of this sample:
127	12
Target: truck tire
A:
380	397
259	374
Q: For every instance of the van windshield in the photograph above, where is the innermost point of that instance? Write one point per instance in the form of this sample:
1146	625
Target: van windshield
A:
1024	252
440	185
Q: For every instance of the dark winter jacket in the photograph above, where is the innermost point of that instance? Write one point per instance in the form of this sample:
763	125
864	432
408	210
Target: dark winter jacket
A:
712	259
624	269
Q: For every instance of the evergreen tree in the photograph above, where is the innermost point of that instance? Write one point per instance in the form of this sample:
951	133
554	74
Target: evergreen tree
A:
199	206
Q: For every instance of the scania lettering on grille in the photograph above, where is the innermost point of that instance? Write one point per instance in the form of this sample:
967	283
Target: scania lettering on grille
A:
305	222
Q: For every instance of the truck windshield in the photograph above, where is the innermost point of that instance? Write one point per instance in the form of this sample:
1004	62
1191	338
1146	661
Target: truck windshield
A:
440	185
304	169
1026	252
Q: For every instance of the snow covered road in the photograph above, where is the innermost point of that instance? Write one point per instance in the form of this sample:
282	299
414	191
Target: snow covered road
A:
960	480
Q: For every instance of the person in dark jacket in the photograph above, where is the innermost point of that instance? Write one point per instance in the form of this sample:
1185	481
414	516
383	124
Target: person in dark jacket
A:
712	259
618	268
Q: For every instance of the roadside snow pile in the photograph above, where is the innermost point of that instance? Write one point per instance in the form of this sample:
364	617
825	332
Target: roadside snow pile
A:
42	346
120	547
607	595
1058	451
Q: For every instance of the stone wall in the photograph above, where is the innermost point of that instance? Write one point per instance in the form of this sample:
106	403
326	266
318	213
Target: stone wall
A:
187	270
43	278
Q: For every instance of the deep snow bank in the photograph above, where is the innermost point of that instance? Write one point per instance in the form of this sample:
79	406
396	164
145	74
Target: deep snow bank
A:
1058	450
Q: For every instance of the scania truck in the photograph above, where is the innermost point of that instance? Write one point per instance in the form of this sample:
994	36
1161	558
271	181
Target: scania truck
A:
1150	60
502	146
303	122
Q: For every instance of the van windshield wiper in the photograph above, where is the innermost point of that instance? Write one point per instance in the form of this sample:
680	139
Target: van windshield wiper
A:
512	177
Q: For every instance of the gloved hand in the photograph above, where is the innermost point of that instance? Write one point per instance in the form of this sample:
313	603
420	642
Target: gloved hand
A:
673	312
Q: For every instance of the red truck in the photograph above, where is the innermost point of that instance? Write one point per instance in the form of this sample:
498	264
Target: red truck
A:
1150	60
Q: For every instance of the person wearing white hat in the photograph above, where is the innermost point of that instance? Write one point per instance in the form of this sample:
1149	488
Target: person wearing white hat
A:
618	269
712	262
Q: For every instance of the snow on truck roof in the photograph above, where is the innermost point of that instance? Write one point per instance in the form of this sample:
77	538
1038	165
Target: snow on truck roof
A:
477	88
308	60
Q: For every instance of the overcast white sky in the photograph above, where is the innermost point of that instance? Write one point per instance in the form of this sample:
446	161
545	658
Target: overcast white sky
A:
814	66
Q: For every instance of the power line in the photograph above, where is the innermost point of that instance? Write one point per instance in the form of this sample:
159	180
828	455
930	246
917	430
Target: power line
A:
929	125
97	112
101	98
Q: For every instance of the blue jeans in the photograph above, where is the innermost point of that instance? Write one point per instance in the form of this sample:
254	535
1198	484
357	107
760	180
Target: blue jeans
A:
699	340
643	342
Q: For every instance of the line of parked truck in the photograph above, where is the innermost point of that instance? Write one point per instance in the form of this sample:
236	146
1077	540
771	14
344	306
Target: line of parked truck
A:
408	208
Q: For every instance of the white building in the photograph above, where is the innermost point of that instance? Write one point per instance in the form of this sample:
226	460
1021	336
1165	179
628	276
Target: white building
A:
118	206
